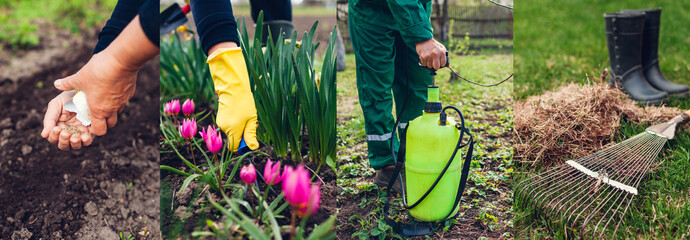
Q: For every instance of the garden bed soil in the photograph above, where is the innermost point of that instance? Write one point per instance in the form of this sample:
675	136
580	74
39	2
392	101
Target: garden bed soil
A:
96	192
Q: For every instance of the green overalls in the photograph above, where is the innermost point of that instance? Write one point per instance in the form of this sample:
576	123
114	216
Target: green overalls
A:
384	34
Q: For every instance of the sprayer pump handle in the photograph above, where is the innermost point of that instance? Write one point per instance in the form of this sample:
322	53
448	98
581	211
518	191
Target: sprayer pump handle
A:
433	71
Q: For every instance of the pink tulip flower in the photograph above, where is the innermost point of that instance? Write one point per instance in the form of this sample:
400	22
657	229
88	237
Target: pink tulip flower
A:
272	172
212	138
188	128
167	108
314	200
296	185
188	107
248	174
175	106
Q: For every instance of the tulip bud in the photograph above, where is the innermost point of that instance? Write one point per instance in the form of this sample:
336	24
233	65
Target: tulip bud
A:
188	107
175	106
272	172
296	185
166	109
212	139
314	200
248	174
188	128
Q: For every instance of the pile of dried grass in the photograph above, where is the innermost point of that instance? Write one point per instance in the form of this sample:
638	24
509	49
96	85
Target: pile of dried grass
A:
575	121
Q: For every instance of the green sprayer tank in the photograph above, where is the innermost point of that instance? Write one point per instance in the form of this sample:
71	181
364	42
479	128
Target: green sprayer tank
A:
429	146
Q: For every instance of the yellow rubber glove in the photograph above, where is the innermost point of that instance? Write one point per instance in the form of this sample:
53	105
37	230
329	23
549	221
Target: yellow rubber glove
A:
236	109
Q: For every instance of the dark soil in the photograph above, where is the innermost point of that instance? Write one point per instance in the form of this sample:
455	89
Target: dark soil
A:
97	192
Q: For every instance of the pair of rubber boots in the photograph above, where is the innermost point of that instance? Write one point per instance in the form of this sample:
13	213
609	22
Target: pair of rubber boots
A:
633	41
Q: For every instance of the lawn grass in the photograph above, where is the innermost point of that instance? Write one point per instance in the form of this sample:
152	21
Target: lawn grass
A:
20	20
488	111
559	42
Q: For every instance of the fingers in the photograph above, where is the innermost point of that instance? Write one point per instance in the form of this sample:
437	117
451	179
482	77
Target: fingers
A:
443	59
112	120
435	62
66	116
250	134
64	141
54	135
68	83
51	117
86	139
98	126
75	141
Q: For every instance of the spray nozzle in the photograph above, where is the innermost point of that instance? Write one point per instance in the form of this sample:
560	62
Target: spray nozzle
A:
432	71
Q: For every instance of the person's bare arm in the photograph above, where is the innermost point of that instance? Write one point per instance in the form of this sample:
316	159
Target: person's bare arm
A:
109	78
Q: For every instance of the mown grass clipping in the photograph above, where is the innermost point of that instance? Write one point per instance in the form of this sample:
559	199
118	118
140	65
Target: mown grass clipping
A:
574	121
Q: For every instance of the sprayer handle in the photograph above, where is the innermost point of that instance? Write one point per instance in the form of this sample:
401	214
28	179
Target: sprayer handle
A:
447	63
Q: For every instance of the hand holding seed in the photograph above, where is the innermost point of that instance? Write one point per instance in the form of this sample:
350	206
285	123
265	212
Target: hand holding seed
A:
61	127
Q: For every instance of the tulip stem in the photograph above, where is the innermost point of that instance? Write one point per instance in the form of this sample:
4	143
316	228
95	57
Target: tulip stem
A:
292	224
192	151
261	203
220	178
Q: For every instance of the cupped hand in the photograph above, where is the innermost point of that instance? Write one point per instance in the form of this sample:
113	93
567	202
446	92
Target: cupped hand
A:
432	54
61	127
108	84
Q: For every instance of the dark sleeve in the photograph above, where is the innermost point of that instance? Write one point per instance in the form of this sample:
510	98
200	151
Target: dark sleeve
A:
273	9
412	17
124	12
215	22
149	18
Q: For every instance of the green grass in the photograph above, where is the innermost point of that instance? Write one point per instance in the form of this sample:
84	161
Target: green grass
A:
488	112
561	41
20	20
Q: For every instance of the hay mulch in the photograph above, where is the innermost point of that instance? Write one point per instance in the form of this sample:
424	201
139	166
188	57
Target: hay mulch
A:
575	121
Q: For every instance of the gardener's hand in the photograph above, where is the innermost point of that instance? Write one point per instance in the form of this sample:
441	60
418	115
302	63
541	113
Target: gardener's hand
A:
62	127
107	83
432	54
236	109
109	78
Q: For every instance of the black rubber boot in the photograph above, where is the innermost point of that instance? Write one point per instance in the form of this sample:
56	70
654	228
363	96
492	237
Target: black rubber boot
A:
650	55
277	27
624	40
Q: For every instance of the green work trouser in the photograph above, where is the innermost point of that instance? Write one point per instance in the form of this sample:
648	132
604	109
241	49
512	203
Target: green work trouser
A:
384	63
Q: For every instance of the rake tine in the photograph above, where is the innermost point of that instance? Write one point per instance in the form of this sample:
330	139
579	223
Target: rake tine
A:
637	158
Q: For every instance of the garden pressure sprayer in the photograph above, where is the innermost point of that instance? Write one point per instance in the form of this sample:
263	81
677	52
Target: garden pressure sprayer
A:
435	174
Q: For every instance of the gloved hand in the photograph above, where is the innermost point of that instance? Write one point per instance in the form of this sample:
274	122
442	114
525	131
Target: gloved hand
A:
62	127
236	109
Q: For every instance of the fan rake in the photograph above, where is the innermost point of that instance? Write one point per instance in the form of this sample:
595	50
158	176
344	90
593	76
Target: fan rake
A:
597	190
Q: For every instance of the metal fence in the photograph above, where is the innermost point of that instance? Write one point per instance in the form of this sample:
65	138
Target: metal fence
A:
477	22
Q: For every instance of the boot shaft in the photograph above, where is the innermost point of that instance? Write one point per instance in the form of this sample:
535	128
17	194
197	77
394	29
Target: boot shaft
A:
650	37
624	40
